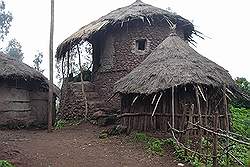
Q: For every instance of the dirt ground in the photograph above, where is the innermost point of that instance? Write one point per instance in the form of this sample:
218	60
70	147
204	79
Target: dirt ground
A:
76	146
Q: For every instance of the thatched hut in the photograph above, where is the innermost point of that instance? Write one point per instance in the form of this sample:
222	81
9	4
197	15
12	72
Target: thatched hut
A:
121	40
23	94
175	85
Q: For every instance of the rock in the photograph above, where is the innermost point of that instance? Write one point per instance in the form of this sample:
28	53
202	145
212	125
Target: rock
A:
103	135
108	120
99	114
117	130
180	164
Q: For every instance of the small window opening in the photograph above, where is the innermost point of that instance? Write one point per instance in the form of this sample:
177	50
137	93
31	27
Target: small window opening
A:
141	44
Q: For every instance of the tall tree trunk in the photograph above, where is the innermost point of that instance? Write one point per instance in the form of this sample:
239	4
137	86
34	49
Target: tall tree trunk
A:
50	107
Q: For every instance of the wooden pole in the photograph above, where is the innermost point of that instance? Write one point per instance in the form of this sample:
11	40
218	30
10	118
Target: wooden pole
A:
83	91
226	119
50	107
68	54
164	111
199	112
173	106
63	68
215	140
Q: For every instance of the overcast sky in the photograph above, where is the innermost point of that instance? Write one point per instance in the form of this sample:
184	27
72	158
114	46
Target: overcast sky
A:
225	22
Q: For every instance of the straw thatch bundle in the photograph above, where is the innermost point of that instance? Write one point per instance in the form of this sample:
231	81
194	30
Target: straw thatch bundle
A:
11	69
173	63
137	11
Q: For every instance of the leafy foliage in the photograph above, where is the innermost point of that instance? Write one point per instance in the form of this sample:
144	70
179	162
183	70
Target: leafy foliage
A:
241	121
244	85
153	145
37	61
240	125
14	49
59	124
5	20
4	163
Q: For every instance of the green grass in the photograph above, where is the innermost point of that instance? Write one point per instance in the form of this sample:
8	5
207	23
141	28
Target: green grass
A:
153	145
61	123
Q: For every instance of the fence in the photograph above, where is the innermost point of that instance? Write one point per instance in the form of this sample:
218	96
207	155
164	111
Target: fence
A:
216	135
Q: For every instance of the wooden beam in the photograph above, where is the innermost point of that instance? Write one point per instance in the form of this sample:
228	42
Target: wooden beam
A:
157	104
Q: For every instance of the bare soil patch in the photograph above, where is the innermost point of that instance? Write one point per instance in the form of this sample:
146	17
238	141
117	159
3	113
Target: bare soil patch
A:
76	146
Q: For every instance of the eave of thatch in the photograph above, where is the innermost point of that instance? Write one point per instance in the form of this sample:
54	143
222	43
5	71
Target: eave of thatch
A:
173	63
10	68
136	11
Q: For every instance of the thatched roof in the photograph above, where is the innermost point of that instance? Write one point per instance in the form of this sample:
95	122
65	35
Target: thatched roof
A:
173	63
136	11
10	68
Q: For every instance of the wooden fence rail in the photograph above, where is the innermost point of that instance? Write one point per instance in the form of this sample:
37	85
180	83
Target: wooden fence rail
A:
228	136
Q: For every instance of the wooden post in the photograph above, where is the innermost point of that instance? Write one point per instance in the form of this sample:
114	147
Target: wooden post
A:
68	54
215	140
173	106
190	119
226	118
164	122
83	91
199	112
50	107
63	68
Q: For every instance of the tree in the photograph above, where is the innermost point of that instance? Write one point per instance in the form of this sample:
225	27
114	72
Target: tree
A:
37	61
5	20
244	85
14	49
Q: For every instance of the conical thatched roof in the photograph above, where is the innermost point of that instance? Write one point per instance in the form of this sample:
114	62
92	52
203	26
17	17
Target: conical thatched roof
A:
10	68
173	63
136	11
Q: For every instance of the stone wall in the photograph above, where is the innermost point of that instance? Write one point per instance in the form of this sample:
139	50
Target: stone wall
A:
72	104
119	54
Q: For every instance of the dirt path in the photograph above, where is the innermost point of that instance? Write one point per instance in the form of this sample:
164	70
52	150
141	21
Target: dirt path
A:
76	146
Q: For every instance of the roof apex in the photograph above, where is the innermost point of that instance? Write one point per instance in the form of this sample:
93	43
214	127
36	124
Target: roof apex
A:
135	11
173	63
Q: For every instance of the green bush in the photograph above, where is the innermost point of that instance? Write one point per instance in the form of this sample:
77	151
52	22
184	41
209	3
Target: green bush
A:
244	86
59	124
4	163
240	121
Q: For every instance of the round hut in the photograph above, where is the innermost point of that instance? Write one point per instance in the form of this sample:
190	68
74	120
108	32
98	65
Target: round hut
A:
174	86
23	94
121	40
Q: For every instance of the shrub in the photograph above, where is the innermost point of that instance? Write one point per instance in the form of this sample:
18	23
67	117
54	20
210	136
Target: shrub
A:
4	163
